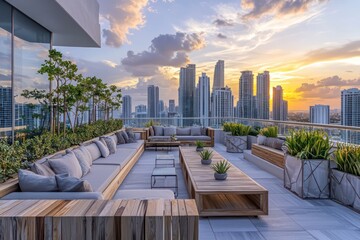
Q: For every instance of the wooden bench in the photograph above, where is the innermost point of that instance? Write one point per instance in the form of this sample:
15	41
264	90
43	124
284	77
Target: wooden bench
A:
99	219
271	155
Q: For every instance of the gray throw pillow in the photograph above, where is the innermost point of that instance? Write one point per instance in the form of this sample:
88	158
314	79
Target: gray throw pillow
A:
151	131
32	182
71	184
183	131
111	145
94	151
84	160
169	131
131	135
203	131
159	130
121	139
125	136
43	169
114	138
103	149
195	131
66	164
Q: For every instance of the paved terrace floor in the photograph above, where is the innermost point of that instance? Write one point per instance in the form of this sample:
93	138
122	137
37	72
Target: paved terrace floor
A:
289	218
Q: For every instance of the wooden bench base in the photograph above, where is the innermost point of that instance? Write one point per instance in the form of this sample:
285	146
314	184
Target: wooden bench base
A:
271	155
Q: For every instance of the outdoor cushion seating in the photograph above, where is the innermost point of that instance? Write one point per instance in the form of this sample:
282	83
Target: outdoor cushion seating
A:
130	145
117	159
53	195
193	138
101	175
159	138
144	194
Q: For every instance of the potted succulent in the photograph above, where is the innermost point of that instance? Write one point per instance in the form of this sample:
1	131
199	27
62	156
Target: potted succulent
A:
173	138
221	169
199	146
206	156
237	141
307	163
345	179
252	137
269	137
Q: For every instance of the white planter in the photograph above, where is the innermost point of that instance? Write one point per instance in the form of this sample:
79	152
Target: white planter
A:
236	144
307	178
345	188
250	140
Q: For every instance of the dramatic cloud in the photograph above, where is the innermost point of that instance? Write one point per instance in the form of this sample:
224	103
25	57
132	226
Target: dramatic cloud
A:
223	23
222	36
165	50
260	8
122	15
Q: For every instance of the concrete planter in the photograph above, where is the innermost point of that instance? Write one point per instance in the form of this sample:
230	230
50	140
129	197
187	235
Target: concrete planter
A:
220	176
307	178
236	144
206	162
345	188
251	140
223	137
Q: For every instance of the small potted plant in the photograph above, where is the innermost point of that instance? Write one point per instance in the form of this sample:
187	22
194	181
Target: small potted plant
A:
199	146
206	156
221	169
173	138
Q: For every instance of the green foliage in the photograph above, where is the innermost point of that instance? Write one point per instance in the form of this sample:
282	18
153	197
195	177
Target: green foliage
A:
271	131
199	144
347	158
221	167
238	129
151	123
206	154
16	156
254	131
227	126
308	145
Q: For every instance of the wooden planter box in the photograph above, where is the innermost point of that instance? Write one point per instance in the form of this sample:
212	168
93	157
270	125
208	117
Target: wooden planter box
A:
250	141
345	188
236	144
307	178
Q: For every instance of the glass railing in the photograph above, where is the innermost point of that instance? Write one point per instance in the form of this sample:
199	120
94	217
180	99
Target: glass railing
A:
338	133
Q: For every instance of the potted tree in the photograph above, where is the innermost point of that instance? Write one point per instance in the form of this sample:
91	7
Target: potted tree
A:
345	179
206	156
221	169
199	146
269	137
237	141
307	163
252	137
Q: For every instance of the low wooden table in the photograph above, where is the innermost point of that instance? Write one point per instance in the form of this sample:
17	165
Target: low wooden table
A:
238	195
157	144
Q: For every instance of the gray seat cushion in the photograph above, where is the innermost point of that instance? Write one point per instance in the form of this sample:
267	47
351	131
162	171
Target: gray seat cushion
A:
100	176
169	131
159	130
66	164
194	138
159	138
53	196
120	158
183	131
136	145
144	194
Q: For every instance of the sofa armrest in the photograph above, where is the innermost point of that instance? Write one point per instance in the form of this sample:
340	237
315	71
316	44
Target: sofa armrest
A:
53	196
144	133
211	133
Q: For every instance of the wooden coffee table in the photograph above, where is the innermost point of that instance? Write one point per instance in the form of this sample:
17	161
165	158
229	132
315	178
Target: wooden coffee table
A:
238	195
157	144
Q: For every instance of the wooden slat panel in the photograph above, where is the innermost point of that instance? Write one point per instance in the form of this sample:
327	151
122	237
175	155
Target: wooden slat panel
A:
273	156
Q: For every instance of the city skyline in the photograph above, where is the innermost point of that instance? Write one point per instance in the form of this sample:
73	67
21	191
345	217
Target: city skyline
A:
135	54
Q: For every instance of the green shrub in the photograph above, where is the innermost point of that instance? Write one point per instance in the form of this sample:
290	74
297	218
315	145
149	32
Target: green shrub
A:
227	126
254	131
239	129
151	123
221	167
308	144
347	158
18	155
269	132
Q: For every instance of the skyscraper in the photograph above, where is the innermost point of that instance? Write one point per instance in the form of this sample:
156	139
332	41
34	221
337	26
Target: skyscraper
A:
262	95
161	106
187	92
320	114
153	101
140	111
246	92
126	106
5	110
219	75
350	113
280	107
222	106
171	105
203	99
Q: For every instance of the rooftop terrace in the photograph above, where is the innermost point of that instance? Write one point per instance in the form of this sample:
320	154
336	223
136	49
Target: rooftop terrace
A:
290	217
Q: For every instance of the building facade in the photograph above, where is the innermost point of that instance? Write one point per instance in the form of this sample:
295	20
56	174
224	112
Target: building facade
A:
28	29
222	102
320	114
219	75
152	101
263	95
126	106
246	93
280	106
187	92
203	99
350	113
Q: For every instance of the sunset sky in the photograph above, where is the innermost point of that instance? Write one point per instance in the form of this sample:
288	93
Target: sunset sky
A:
310	47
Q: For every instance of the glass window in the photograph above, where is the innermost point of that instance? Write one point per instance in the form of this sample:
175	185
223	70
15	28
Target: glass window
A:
5	70
31	45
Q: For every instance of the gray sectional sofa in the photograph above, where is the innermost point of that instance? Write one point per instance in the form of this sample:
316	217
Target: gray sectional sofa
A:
187	135
105	175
